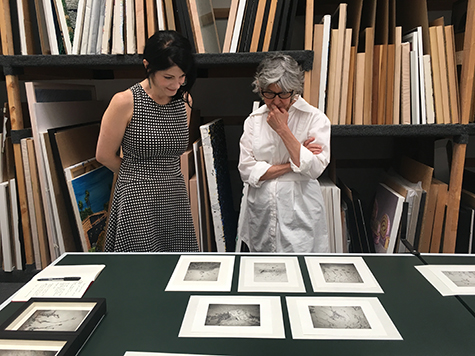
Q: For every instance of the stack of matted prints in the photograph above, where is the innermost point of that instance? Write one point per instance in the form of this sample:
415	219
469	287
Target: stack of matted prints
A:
45	326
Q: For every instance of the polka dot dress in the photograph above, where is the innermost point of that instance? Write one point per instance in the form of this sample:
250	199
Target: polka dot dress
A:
150	211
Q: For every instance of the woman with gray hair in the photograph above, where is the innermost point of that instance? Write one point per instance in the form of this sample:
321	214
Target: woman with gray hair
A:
285	147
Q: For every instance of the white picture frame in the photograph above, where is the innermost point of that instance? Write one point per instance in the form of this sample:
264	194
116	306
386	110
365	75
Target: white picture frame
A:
202	273
417	75
341	274
359	318
259	317
450	279
270	274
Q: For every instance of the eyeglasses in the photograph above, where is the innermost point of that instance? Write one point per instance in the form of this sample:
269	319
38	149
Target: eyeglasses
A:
272	95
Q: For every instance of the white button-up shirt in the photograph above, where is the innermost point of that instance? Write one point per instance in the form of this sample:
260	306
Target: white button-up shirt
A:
285	214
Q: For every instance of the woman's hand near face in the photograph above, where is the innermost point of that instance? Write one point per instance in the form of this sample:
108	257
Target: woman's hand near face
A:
315	148
277	119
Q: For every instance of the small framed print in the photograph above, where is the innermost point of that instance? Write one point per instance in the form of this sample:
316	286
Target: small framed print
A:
25	347
340	318
341	275
55	318
233	316
270	274
212	273
450	279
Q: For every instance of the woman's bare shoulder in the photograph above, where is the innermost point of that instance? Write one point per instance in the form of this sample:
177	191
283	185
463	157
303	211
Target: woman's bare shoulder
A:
120	108
188	99
123	99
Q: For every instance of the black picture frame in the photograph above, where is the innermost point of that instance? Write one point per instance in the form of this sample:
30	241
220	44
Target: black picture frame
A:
38	319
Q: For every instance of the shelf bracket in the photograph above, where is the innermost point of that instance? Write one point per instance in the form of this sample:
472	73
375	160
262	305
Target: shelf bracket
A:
11	70
462	139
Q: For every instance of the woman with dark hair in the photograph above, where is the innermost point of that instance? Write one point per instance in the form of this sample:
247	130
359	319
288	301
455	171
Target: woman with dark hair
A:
148	123
285	147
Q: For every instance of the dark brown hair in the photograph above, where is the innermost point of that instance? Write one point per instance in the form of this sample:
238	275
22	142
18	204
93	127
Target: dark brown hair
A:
163	50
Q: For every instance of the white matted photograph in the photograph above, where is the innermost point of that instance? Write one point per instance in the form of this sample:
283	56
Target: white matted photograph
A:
11	347
202	273
450	279
270	274
233	316
341	274
51	316
358	318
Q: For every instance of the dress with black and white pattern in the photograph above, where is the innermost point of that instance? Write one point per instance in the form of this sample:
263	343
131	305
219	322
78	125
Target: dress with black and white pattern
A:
150	210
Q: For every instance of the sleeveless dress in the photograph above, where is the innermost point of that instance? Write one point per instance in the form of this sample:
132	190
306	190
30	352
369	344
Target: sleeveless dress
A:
150	210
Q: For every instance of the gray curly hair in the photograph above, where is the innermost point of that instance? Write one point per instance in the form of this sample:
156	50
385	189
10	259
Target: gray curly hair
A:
279	69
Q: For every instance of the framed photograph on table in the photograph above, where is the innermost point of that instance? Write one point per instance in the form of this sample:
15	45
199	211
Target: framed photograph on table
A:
54	319
14	346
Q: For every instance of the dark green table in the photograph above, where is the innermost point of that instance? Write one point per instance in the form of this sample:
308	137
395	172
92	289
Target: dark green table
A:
141	316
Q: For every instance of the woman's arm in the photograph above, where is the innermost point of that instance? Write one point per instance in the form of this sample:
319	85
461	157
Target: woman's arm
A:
253	171
188	106
315	148
250	169
315	151
114	122
276	171
278	120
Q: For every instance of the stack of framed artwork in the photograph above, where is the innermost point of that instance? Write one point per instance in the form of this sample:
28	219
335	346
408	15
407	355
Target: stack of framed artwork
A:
46	326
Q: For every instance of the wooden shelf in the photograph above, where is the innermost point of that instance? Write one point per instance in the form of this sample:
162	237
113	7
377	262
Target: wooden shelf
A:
12	64
426	130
